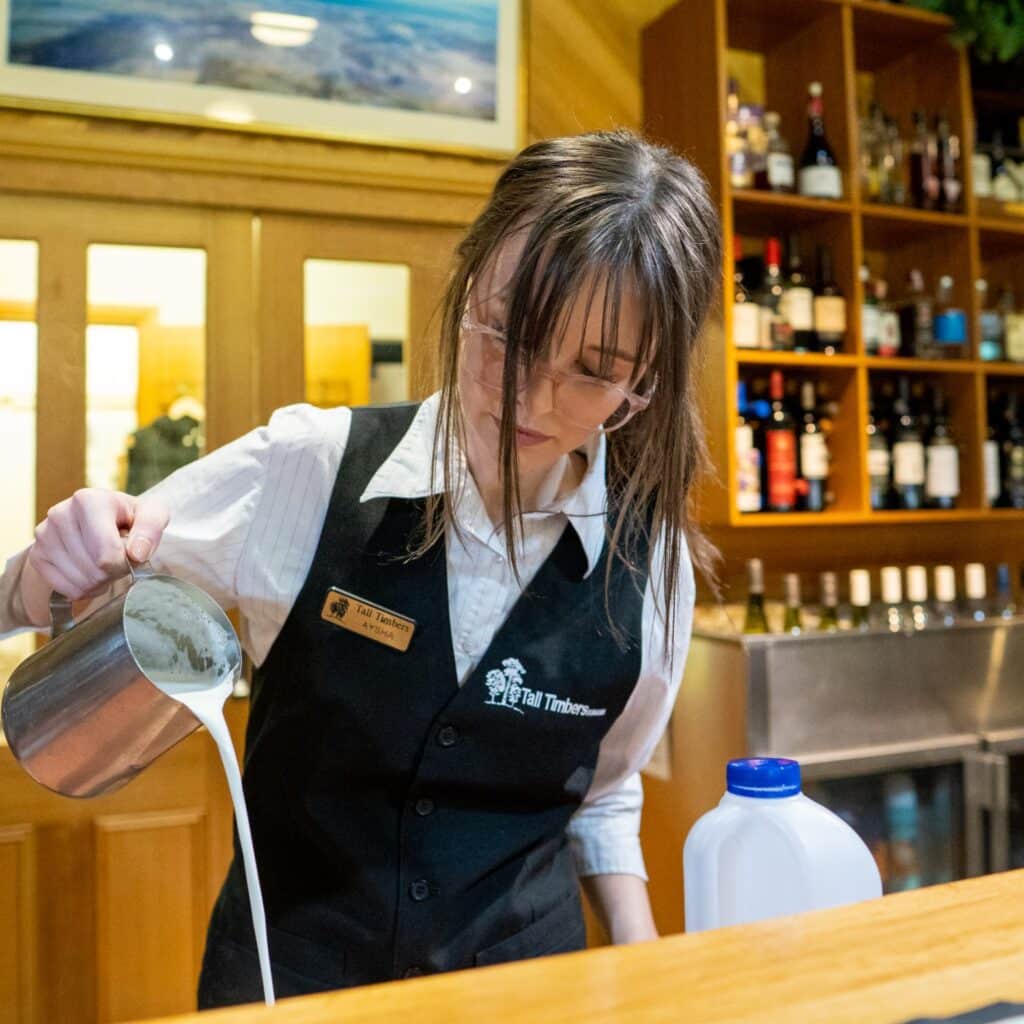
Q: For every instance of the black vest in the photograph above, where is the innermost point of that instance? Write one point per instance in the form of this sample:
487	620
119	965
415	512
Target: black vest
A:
403	824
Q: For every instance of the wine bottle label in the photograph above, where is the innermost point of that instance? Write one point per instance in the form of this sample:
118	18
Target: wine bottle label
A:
830	313
888	333
745	325
991	459
943	476
781	452
748	471
779	168
908	463
870	322
879	463
797	307
813	457
1015	337
821	182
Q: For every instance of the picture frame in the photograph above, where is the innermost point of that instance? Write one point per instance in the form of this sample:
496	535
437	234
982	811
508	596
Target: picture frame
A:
446	75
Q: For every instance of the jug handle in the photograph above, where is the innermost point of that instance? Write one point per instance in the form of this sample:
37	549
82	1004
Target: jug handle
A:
61	617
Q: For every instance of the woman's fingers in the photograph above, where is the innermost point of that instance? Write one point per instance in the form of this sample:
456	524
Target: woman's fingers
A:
149	517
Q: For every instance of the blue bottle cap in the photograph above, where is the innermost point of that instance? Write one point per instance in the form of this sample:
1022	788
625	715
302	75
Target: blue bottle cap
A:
762	408
766	778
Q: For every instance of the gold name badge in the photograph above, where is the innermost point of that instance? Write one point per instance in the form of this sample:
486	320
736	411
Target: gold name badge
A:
367	619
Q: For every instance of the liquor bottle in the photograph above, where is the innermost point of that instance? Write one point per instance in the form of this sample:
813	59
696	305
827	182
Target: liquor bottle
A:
736	149
942	459
813	452
829	306
872	129
828	621
797	303
1005	607
746	332
917	333
1012	462
945	610
1013	326
860	599
774	332
948	159
793	621
748	458
879	463
908	473
755	621
892	186
990	460
776	174
893	616
888	321
925	185
975	591
917	596
780	450
990	325
949	323
869	313
819	175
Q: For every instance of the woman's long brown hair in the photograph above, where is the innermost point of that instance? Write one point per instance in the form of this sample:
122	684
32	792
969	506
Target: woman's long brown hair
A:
637	216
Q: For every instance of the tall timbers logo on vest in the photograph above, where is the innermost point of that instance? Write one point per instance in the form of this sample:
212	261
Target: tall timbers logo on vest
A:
507	690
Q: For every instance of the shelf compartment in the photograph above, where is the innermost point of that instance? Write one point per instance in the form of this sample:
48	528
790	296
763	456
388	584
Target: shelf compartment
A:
766	213
1002	369
910	215
749	28
884	33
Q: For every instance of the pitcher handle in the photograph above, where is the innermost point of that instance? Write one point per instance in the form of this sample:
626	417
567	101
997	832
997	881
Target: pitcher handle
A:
61	618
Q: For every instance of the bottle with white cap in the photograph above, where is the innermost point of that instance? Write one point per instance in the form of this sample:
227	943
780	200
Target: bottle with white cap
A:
945	596
917	596
793	620
860	599
767	850
976	591
892	599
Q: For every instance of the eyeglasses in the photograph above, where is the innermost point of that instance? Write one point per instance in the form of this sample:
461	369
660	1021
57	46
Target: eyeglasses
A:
583	401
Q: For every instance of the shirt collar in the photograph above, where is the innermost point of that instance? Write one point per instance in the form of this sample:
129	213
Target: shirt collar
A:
405	473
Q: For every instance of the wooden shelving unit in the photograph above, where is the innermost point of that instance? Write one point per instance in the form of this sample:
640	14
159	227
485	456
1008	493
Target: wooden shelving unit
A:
856	48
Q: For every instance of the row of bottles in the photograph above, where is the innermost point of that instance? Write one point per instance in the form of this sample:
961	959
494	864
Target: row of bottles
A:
1000	324
759	155
913	456
923	170
1004	450
900	608
783	309
782	457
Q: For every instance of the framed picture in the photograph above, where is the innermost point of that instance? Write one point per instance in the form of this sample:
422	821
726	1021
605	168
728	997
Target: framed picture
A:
430	74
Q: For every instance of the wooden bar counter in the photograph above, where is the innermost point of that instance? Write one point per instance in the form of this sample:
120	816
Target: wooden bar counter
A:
935	952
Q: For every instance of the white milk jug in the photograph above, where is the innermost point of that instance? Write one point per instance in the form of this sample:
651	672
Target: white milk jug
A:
767	850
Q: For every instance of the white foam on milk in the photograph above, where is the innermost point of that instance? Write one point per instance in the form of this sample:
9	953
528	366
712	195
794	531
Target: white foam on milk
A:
207	704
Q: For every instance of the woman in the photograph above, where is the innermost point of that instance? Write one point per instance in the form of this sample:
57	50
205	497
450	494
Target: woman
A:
426	791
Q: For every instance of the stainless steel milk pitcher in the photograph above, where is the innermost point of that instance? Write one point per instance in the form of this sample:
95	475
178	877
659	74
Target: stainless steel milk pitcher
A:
85	714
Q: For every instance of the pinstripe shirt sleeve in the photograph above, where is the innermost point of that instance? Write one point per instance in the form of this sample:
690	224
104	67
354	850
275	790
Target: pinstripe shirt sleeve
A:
605	832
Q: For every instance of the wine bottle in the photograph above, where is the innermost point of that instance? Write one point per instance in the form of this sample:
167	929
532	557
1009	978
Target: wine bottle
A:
917	596
829	306
990	458
860	599
828	621
892	599
942	458
869	313
1012	463
820	176
797	303
780	450
813	452
945	611
1013	326
925	185
907	453
879	463
755	621
917	331
777	174
746	332
793	621
948	165
975	592
774	332
748	458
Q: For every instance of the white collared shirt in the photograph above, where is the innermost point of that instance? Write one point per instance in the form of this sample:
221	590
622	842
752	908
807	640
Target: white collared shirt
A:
246	520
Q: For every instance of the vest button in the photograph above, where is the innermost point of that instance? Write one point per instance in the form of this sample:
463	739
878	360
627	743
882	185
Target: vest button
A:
448	736
420	890
413	972
424	806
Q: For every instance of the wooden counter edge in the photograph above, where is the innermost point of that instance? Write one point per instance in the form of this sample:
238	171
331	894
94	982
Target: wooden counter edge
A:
937	951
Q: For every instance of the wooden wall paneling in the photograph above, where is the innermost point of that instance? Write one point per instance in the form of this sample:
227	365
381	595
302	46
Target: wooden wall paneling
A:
151	886
19	939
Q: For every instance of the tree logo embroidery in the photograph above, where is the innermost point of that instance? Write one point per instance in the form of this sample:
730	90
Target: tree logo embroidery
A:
506	689
339	606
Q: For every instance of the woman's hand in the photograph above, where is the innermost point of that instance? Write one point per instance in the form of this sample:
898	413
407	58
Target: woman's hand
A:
79	548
